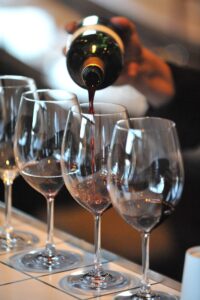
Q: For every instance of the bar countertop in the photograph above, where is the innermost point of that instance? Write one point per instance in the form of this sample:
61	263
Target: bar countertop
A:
15	284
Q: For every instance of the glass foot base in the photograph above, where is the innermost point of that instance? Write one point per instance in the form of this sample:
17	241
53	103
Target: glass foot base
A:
39	261
103	280
17	240
157	295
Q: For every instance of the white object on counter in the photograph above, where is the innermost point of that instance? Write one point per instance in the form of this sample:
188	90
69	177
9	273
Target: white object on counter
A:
191	275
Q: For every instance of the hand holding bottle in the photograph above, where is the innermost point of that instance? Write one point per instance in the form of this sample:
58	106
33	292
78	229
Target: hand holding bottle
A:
142	69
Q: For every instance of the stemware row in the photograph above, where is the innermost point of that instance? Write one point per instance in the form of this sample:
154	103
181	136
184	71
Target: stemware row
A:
104	158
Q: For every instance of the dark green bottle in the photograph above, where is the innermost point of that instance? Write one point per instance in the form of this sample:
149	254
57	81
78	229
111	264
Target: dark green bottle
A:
95	54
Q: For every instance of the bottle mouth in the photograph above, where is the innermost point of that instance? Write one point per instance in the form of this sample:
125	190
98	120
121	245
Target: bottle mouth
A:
93	72
92	76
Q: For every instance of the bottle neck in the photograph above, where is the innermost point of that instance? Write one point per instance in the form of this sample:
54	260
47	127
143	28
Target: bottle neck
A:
92	72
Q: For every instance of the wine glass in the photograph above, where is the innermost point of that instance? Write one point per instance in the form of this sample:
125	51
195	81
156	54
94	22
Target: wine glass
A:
11	89
39	131
85	150
145	181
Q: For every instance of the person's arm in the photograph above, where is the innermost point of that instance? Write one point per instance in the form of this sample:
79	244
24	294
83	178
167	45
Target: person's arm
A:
143	69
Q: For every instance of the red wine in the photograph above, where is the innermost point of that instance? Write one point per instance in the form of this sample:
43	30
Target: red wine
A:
91	94
94	61
95	55
144	214
44	176
91	193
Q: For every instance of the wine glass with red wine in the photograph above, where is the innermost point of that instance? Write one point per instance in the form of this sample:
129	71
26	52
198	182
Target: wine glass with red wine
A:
145	182
85	151
11	89
38	138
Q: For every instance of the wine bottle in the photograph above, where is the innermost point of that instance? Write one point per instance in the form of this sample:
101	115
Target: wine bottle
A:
95	53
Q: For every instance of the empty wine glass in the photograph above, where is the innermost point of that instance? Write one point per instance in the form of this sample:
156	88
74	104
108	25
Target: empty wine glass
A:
11	89
39	131
85	150
145	182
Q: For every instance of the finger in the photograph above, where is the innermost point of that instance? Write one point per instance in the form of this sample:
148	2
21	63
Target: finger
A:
130	36
64	50
134	47
71	27
128	74
124	23
132	69
124	27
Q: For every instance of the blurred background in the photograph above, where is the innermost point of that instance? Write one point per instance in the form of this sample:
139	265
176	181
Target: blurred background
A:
32	38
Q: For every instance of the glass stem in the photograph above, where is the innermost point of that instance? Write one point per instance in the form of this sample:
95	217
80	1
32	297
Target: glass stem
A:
8	207
97	243
50	247
146	287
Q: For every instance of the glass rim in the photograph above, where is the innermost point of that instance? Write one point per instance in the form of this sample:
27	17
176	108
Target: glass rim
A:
171	123
124	110
27	80
70	95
